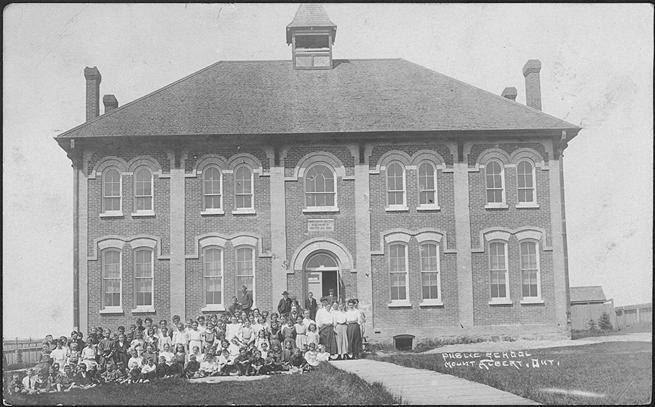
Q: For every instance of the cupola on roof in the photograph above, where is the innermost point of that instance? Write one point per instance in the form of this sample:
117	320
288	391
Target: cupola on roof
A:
311	16
311	34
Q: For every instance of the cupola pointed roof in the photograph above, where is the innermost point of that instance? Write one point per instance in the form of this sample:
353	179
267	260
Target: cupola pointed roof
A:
311	16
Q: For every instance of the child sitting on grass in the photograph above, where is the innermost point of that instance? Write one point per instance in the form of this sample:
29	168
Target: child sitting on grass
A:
208	366
311	356
242	362
15	386
148	370
192	367
256	363
225	363
322	355
162	367
298	364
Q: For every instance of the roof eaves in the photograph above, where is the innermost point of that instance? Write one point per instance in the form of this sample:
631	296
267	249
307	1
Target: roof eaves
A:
114	111
504	99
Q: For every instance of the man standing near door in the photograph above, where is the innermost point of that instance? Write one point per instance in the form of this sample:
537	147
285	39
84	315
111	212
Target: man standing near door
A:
311	305
331	297
284	306
246	299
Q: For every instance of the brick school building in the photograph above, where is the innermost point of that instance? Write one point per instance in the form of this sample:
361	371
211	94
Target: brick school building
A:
440	206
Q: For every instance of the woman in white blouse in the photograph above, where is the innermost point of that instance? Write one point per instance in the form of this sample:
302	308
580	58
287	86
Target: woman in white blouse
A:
325	326
353	332
339	320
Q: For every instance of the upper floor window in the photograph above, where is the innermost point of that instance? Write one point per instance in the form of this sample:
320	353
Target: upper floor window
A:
398	271
430	271
143	277
498	271
243	188
530	270
395	185
525	182
212	188
213	275
245	269
111	190
143	189
320	187
111	278
427	185
495	182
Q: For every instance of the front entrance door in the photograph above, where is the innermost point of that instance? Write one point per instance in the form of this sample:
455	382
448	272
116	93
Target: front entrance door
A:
321	275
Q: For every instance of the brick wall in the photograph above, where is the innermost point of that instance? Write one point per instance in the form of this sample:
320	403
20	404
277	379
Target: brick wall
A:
510	218
125	227
161	298
344	220
227	224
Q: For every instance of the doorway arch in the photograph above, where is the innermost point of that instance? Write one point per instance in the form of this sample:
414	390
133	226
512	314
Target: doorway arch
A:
322	273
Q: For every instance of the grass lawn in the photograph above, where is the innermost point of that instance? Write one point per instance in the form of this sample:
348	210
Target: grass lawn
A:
325	385
619	371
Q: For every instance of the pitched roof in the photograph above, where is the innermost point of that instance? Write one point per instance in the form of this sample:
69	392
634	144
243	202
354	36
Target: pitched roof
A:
311	15
270	97
587	294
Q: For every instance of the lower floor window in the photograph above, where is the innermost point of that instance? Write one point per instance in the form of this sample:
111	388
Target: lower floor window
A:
398	287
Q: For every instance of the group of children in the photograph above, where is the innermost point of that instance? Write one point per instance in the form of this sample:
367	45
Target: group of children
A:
238	343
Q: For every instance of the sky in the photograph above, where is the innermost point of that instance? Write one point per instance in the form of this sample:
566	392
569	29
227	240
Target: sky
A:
597	72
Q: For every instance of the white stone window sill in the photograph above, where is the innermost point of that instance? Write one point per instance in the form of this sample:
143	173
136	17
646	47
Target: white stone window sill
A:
501	302
244	211
112	214
428	208
399	304
527	205
143	310
213	307
431	303
496	205
527	301
212	212
144	214
112	310
318	209
397	208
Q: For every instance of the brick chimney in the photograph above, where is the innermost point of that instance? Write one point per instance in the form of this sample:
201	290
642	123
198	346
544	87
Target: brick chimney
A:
93	79
110	103
509	93
531	71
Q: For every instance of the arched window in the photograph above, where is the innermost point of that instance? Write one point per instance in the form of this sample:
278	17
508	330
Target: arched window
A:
320	187
143	277
111	278
398	271
243	188
498	271
211	188
245	269
143	189
430	279
111	190
525	182
395	185
495	182
213	275
531	287
427	185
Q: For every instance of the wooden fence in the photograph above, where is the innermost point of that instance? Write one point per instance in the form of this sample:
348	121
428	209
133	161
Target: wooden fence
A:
21	351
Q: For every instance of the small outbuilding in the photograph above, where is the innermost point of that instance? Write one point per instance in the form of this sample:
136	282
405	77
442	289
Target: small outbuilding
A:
589	303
